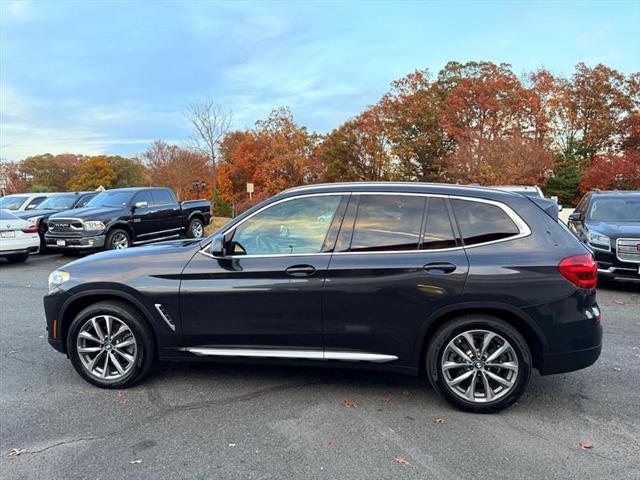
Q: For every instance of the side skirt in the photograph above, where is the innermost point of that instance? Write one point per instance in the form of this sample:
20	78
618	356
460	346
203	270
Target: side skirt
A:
326	355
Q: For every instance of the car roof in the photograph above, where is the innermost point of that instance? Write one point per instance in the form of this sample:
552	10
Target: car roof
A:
404	187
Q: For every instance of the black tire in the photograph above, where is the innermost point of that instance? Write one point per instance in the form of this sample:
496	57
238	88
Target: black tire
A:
115	234
145	343
198	225
449	332
18	257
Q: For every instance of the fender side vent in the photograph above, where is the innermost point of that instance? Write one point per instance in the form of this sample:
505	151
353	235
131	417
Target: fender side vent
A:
164	313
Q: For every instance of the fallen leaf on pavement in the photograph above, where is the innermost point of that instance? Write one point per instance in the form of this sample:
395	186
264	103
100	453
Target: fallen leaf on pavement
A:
386	399
405	393
616	369
585	445
439	420
16	451
135	462
401	461
350	404
618	301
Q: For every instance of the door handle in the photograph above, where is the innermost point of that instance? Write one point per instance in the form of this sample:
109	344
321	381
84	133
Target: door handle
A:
444	267
300	270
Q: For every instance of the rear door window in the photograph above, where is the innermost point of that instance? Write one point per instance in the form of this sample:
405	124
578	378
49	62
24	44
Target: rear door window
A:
437	233
388	223
163	197
482	222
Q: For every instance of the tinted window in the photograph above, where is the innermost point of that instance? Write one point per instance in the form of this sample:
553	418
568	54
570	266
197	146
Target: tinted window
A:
111	198
482	222
11	202
85	200
144	196
58	202
35	202
163	197
295	226
437	231
388	222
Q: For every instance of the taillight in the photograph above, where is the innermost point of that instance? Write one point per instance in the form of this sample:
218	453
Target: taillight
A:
31	229
581	270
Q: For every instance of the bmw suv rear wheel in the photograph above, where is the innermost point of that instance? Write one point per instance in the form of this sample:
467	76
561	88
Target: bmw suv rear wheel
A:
479	363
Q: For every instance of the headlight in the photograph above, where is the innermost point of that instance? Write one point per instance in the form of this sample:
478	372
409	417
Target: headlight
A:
93	225
57	278
35	220
599	240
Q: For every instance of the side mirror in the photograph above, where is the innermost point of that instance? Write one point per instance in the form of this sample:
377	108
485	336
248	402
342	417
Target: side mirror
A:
141	205
575	217
217	247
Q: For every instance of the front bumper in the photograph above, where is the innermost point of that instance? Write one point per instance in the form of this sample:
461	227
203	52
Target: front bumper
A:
610	266
75	243
53	306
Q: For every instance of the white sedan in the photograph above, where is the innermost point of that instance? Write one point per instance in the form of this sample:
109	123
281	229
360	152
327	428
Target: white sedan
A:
18	238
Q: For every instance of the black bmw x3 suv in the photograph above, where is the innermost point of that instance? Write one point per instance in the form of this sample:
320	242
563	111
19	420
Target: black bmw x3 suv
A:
472	287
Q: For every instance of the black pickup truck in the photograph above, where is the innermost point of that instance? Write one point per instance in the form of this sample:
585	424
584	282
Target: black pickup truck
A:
123	217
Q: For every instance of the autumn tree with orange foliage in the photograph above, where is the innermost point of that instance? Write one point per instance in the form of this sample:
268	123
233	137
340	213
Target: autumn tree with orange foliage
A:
275	155
175	167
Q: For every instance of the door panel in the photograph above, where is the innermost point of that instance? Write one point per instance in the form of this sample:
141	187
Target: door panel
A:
268	292
253	301
378	302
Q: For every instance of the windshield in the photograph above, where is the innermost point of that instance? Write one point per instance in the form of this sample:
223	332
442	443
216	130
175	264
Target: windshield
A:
58	202
616	210
11	202
111	199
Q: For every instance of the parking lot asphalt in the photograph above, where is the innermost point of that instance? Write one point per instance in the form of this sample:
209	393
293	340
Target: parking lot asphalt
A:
239	421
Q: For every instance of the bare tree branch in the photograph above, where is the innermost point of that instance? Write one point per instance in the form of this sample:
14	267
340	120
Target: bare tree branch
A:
210	122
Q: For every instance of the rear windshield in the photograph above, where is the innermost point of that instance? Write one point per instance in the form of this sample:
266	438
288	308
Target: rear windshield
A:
11	202
615	210
111	199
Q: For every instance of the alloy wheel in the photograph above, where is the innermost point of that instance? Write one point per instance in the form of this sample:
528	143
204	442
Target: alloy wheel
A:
479	366
197	229
107	347
119	241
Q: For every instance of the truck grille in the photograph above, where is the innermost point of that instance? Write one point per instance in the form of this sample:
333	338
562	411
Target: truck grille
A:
628	249
65	226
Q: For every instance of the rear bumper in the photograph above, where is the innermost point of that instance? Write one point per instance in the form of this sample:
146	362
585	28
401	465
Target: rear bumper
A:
19	251
569	361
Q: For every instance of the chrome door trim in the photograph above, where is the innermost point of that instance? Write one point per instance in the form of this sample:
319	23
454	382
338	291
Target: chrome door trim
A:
326	355
164	317
160	231
177	235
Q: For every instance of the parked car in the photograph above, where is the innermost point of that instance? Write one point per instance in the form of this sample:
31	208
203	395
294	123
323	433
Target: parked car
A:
532	191
122	217
23	201
55	203
609	223
473	286
18	238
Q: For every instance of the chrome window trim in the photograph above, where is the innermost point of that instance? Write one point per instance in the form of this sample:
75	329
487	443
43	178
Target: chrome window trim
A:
523	227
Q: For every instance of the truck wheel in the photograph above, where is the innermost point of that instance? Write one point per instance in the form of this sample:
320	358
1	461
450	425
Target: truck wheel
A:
117	239
195	228
18	257
479	363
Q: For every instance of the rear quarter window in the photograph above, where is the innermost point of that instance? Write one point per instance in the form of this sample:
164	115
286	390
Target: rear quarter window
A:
482	222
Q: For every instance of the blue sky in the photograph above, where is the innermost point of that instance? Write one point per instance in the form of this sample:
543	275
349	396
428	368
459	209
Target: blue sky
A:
110	77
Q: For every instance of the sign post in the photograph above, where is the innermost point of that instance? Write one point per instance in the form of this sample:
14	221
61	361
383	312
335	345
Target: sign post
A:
249	189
